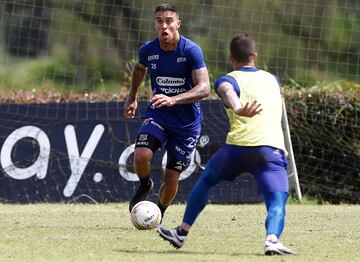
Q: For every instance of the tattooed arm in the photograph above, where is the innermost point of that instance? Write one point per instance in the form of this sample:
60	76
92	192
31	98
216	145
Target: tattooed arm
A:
200	90
138	76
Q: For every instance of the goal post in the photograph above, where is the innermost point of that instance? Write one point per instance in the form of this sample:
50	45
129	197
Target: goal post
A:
294	184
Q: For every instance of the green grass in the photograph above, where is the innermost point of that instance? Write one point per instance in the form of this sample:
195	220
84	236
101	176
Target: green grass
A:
103	232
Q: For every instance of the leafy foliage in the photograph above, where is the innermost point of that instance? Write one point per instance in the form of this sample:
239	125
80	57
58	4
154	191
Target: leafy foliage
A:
325	128
89	43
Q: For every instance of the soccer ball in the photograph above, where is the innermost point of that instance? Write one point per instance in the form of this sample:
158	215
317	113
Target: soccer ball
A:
145	215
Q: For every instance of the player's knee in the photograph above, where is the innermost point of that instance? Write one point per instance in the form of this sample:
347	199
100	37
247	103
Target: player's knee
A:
277	211
171	179
142	155
210	177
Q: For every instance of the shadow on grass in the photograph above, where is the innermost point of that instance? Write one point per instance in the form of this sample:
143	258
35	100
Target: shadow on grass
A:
184	252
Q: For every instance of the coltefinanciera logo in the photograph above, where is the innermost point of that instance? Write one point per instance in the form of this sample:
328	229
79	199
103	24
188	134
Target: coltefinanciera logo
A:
169	81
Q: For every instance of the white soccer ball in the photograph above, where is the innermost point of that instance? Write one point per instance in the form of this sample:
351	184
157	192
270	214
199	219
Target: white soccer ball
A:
145	215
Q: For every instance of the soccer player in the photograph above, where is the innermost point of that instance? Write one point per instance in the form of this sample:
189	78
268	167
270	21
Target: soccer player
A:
179	79
254	144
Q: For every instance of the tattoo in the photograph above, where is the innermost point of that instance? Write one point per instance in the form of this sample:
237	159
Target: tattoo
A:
138	76
201	78
200	90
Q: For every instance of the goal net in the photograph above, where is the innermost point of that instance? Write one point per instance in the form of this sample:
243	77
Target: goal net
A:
91	46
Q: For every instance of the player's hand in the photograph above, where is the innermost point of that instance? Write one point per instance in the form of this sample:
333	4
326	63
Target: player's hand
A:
130	109
249	110
161	100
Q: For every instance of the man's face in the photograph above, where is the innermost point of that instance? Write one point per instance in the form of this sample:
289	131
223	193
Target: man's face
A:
167	24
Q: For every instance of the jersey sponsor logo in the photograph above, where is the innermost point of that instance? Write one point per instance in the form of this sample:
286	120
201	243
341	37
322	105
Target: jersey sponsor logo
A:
181	151
150	121
142	143
153	57
181	59
169	90
170	81
143	137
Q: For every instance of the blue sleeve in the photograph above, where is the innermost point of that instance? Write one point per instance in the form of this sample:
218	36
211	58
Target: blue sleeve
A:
196	58
230	80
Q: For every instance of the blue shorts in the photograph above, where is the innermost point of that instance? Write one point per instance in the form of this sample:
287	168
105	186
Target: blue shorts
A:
178	145
267	164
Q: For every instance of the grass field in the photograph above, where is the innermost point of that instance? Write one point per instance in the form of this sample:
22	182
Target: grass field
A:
103	232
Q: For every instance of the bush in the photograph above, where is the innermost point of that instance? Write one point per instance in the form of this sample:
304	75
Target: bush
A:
325	129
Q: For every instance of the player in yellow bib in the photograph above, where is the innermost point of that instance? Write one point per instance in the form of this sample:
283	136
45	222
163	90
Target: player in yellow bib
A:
254	144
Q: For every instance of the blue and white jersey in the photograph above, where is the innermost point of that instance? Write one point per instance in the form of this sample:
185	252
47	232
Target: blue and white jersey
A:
171	74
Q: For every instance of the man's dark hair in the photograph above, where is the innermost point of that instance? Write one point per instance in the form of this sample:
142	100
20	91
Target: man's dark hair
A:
242	47
167	7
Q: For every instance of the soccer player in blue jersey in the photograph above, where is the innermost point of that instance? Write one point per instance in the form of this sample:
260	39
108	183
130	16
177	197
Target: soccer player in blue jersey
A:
179	79
254	144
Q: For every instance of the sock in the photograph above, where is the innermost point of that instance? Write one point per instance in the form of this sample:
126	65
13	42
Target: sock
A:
162	208
272	238
145	182
182	232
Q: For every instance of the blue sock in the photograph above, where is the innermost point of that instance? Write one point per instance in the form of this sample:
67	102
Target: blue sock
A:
200	194
275	205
